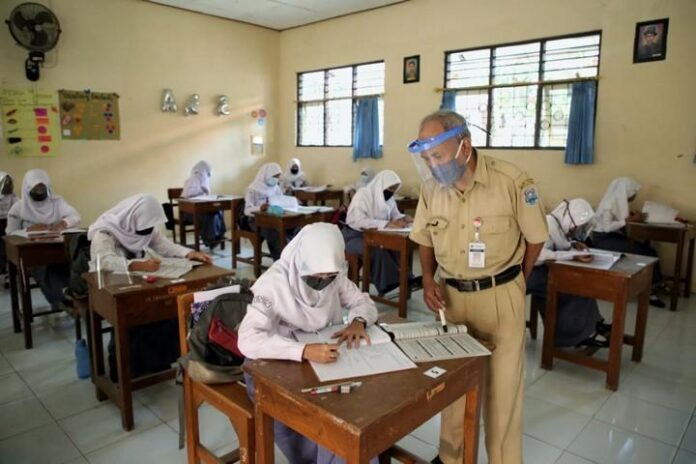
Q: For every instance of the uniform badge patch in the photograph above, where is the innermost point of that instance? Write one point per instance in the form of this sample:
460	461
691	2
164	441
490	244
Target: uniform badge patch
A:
531	198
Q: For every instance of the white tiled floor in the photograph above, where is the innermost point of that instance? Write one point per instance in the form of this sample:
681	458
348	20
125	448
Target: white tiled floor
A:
47	415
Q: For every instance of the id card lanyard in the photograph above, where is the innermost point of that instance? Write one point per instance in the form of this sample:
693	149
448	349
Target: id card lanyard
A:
477	248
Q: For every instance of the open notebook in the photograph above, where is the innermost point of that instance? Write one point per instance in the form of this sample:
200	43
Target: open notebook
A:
379	357
601	259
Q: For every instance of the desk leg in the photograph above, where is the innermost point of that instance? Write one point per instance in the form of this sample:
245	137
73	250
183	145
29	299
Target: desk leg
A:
25	294
283	234
549	324
366	269
616	341
257	252
404	270
641	321
125	396
689	269
676	283
472	418
182	230
14	298
95	325
265	452
196	233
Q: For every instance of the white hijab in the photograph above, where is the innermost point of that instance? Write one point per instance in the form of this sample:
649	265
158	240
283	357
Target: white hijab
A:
371	197
3	178
615	202
317	248
138	212
289	176
39	212
201	171
568	214
364	180
266	171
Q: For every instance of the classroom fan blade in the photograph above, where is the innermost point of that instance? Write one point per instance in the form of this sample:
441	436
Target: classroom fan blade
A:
43	18
19	20
40	39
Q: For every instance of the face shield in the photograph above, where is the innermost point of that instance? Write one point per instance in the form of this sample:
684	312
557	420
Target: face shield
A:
425	154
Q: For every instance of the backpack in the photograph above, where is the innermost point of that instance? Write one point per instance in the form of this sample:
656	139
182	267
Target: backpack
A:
79	264
213	355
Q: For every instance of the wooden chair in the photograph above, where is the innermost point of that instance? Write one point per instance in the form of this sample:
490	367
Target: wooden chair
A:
3	263
229	398
353	267
237	235
533	321
173	195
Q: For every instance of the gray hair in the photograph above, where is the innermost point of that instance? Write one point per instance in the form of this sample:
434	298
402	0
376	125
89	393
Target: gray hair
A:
449	120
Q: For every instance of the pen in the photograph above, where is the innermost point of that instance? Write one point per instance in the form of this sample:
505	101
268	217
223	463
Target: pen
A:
334	387
443	321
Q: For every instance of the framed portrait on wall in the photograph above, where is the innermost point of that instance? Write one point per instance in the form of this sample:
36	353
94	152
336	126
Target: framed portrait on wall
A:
411	69
650	43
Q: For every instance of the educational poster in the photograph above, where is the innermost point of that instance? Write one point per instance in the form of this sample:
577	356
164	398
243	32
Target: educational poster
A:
30	122
86	115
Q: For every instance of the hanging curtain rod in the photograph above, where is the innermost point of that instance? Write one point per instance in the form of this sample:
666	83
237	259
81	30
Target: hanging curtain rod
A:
520	84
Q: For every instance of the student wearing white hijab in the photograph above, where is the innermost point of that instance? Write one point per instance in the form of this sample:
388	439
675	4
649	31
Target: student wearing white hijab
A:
610	221
374	207
40	209
306	289
264	187
129	230
212	225
578	319
7	199
293	177
366	175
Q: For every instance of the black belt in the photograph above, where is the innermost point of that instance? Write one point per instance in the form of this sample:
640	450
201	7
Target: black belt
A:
487	282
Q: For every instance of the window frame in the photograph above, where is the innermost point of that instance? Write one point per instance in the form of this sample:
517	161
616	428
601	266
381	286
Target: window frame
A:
540	85
324	100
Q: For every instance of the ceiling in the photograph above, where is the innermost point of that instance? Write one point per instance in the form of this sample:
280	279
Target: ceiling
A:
277	14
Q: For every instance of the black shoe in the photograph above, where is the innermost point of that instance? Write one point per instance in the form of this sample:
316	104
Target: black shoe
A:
436	460
603	328
656	302
415	283
388	289
595	342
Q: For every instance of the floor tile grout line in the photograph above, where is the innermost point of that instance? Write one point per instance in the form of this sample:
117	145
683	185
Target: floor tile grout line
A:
641	434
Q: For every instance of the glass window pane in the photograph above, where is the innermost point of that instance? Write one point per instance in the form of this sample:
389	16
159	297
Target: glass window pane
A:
473	105
572	57
339	82
311	86
516	63
555	109
468	69
311	124
369	79
514	114
339	117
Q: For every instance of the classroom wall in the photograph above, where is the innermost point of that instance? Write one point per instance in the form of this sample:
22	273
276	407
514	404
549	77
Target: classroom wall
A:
136	49
646	112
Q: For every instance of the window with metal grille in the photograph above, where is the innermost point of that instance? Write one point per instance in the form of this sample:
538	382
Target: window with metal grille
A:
520	93
326	102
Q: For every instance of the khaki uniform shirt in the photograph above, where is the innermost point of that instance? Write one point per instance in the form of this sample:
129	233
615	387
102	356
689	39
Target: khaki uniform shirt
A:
506	200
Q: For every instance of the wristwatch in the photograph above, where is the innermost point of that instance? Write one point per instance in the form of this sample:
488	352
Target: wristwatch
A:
360	319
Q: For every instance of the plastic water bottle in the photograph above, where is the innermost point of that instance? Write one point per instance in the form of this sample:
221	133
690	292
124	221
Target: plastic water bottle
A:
82	359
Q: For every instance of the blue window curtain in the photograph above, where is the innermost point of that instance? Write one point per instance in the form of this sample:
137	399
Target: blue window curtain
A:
580	142
448	98
366	140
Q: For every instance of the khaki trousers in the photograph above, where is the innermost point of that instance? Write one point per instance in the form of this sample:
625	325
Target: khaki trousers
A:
496	315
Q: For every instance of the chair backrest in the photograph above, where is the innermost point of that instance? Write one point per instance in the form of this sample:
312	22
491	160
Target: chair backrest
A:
184	310
173	194
3	226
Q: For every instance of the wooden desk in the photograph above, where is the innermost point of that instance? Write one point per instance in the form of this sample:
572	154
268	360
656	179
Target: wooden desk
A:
124	308
282	224
407	204
678	234
373	417
319	198
23	255
198	207
630	277
395	241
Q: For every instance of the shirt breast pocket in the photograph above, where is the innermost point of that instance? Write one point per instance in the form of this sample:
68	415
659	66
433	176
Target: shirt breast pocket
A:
437	227
501	234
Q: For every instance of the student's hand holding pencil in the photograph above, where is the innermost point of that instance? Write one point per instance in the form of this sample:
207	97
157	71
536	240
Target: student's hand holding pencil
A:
321	352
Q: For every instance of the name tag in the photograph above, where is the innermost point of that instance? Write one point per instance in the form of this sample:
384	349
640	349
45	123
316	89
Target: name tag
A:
477	254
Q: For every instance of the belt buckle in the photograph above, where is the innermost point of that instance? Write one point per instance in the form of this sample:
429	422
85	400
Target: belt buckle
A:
478	286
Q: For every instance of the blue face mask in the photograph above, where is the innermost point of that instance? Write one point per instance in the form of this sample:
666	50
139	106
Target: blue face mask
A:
272	181
450	172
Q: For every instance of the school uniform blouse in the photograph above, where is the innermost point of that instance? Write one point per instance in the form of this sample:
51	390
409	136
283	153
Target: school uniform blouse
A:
62	212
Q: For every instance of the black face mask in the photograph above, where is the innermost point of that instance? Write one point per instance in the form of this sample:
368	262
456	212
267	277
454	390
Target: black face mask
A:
388	194
147	231
294	169
318	283
38	196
